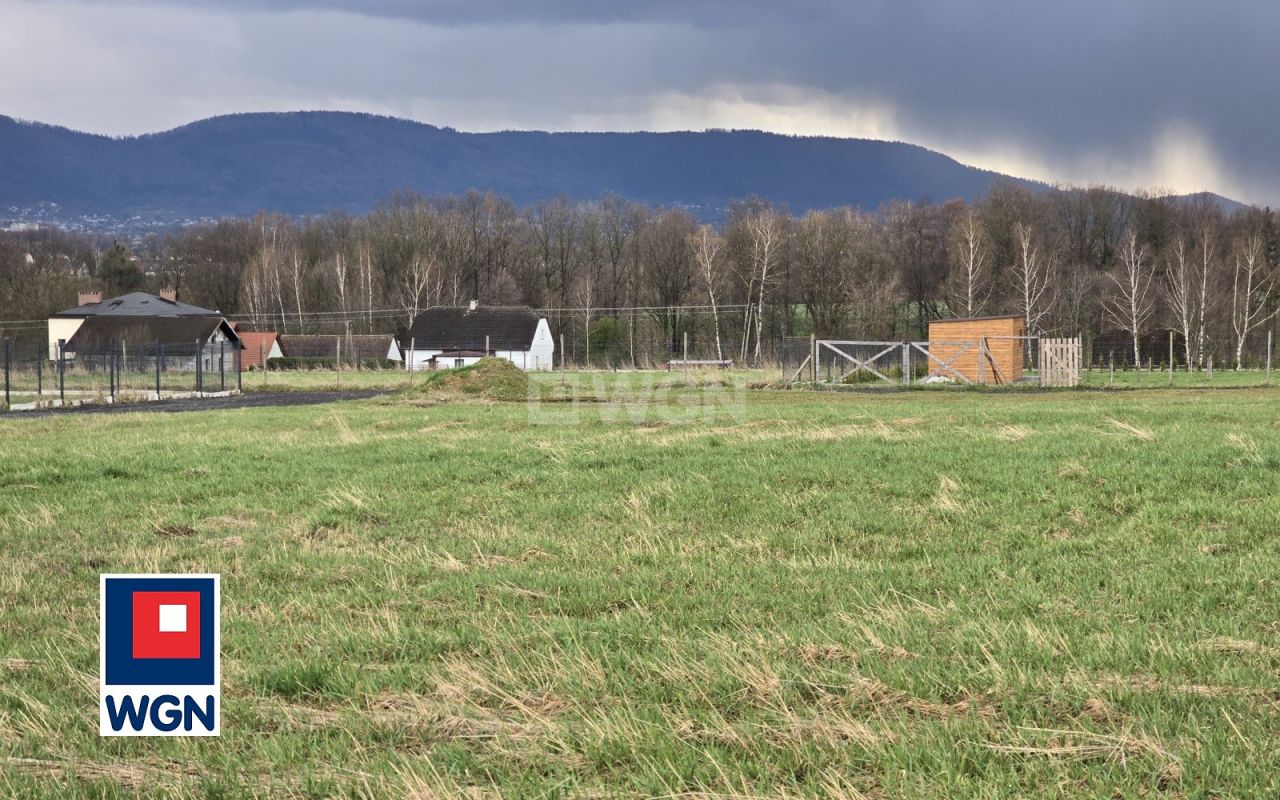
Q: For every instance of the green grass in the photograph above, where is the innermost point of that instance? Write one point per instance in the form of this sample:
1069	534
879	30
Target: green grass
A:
928	594
1221	378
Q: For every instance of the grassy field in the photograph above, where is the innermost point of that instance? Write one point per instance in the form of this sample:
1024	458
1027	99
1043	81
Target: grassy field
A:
733	593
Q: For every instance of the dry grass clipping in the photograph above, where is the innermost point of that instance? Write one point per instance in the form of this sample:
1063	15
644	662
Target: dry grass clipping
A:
1129	430
1250	452
945	498
1091	746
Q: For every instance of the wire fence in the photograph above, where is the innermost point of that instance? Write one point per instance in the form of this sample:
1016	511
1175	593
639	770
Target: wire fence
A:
116	372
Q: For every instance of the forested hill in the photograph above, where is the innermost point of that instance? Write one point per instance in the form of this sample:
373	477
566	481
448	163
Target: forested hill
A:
315	162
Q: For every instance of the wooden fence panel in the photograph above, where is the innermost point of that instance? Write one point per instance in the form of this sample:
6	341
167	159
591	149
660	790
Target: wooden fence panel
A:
1060	362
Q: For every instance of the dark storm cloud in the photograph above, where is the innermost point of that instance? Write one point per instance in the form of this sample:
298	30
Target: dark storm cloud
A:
1152	91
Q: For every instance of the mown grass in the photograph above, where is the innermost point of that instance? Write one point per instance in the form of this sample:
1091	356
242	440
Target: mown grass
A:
921	594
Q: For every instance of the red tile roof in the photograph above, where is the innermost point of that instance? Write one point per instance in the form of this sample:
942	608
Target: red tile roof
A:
257	348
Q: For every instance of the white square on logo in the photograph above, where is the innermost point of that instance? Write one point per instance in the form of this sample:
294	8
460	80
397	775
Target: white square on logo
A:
173	619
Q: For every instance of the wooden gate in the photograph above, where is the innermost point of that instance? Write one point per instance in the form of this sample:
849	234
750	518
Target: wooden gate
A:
1060	362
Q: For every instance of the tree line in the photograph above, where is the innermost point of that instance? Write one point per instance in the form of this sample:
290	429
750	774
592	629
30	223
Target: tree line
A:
626	283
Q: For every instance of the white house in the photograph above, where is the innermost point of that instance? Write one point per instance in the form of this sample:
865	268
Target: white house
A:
443	338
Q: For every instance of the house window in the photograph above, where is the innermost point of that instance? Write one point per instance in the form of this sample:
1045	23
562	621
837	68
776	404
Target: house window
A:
459	362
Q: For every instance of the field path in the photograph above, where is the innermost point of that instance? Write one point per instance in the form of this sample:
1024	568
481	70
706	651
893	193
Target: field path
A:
248	400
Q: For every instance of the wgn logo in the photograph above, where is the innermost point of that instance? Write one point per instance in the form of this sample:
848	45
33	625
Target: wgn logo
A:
158	655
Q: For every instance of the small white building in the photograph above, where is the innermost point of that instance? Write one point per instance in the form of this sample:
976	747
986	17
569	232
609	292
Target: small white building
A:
444	338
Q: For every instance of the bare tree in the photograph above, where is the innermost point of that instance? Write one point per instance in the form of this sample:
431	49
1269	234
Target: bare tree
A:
1250	293
1131	306
823	262
1033	276
967	281
1180	291
585	298
298	276
707	245
1208	250
1187	292
417	279
766	231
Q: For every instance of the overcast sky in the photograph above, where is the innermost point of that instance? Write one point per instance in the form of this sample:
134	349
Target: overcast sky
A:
1174	94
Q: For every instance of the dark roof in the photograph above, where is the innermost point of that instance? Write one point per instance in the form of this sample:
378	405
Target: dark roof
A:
138	304
447	354
370	345
974	319
464	329
308	346
96	332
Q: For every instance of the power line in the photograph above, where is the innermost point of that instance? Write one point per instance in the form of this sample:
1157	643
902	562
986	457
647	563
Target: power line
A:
357	314
385	313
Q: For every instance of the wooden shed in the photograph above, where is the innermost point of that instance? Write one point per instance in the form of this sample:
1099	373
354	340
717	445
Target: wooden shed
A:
982	349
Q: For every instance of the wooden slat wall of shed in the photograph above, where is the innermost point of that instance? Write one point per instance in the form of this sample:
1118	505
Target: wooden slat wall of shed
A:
946	338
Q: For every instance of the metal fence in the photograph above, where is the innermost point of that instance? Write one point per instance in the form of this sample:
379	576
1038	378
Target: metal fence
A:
116	372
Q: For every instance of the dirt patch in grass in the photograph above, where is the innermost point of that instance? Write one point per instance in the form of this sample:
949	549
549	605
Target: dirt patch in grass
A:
488	379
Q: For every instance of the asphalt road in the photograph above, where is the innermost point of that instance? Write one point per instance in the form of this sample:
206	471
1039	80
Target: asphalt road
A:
250	400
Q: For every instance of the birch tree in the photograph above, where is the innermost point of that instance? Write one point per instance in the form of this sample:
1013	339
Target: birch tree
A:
297	275
1187	292
1033	277
707	246
422	269
967	282
766	232
1250	293
1131	305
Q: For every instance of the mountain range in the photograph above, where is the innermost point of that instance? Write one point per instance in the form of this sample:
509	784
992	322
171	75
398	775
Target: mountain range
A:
314	162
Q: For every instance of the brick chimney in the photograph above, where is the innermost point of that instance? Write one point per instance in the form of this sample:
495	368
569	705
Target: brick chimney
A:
85	298
169	294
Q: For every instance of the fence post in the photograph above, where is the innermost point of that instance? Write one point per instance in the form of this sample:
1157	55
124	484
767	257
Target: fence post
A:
62	372
239	372
111	368
337	360
1269	357
906	363
199	368
8	358
40	357
1170	358
684	356
562	352
1045	379
159	355
222	366
813	356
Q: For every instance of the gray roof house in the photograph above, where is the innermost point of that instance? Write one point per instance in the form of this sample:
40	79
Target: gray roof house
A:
139	318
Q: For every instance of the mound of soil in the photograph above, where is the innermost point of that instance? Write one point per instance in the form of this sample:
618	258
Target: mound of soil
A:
487	379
